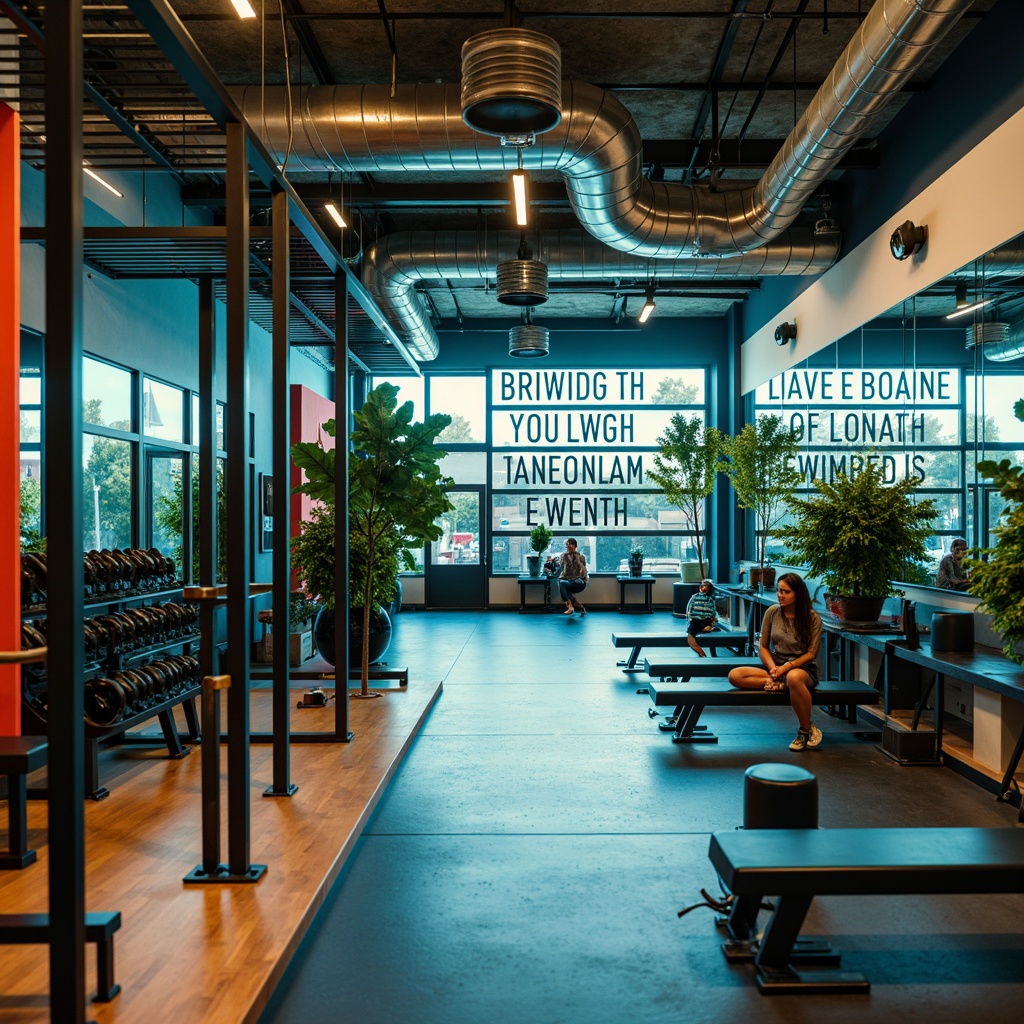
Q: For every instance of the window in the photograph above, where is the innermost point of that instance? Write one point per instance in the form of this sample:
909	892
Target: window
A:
106	395
162	410
464	399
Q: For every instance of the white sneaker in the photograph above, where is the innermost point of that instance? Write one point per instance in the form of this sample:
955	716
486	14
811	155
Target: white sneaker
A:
800	743
814	740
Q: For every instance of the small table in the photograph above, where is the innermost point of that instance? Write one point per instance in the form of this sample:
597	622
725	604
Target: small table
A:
647	582
525	581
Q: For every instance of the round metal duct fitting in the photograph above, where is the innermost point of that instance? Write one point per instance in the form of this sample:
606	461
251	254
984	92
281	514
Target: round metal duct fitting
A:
511	82
528	341
522	282
987	334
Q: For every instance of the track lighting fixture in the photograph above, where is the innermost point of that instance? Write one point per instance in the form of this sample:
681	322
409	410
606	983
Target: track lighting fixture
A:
907	239
648	307
784	333
962	306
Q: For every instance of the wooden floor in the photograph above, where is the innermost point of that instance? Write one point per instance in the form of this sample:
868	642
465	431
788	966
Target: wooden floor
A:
210	953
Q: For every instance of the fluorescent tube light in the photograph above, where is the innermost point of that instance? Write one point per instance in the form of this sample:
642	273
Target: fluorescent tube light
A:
336	215
244	8
967	309
106	184
648	307
520	183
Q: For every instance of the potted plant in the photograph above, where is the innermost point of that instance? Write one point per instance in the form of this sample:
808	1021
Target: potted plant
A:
998	578
636	560
540	538
759	462
396	492
684	469
857	534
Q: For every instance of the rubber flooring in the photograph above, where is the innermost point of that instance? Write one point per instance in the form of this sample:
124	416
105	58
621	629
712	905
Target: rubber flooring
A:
529	858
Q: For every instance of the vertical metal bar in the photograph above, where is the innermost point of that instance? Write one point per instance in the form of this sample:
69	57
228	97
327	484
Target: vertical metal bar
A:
62	415
10	370
238	498
281	467
208	573
341	595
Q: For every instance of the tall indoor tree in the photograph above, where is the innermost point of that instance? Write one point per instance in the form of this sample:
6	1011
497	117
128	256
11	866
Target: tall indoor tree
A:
685	469
396	494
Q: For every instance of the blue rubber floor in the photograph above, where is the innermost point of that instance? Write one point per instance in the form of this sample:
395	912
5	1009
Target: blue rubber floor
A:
528	860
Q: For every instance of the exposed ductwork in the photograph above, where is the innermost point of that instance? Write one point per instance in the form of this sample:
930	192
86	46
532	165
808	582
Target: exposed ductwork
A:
597	146
395	264
1000	343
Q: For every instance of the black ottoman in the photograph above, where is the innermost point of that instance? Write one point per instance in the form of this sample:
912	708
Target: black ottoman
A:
681	594
779	796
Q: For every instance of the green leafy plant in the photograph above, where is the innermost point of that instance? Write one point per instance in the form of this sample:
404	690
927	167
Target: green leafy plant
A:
636	551
759	462
857	534
396	493
997	577
540	538
685	469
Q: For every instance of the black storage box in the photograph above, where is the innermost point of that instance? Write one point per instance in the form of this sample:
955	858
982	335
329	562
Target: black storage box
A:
953	631
907	746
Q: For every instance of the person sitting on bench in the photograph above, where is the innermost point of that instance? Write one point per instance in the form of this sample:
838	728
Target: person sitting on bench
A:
701	614
573	577
790	637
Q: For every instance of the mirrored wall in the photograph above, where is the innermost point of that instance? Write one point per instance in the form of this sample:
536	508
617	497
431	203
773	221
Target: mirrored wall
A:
927	389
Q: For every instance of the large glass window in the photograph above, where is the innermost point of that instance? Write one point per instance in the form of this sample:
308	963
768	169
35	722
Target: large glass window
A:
464	399
162	410
107	498
106	395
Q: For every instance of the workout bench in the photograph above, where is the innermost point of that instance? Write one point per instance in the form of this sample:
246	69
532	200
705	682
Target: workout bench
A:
795	865
736	640
690	700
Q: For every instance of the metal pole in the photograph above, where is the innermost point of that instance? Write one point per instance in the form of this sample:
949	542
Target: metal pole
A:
341	583
281	464
63	497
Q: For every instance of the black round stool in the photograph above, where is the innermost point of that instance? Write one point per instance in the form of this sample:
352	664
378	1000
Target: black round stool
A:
779	796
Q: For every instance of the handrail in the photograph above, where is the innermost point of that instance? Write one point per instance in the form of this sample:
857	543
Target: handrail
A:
23	657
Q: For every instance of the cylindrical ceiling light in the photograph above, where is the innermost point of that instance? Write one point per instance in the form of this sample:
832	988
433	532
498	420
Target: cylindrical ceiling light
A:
522	282
527	340
511	82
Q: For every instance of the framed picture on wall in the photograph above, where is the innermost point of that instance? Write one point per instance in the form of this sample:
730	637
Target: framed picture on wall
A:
266	507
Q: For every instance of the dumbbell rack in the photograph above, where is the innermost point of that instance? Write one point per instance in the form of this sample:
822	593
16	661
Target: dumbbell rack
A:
119	660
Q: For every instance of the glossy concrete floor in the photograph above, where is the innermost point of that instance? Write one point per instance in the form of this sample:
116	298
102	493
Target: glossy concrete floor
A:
531	854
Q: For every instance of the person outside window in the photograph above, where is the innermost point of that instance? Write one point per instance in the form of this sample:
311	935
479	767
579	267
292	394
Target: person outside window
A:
701	614
952	575
572	580
790	637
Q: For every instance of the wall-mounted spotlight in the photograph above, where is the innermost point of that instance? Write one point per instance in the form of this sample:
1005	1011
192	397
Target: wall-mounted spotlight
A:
785	332
907	239
648	307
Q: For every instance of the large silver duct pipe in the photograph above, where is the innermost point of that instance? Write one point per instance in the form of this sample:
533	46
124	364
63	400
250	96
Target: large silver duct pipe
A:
597	146
394	264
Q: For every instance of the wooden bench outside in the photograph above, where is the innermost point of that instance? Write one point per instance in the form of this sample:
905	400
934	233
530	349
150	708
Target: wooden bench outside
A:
795	865
33	929
19	756
690	700
729	638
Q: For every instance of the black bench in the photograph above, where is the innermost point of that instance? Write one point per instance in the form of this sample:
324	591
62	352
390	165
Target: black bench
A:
732	639
795	865
34	929
19	755
690	700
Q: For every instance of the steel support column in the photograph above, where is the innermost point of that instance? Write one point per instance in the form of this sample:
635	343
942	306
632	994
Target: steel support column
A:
10	372
341	581
281	464
62	415
238	498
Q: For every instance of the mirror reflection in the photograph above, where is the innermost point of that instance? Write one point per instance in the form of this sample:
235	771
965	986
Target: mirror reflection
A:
927	389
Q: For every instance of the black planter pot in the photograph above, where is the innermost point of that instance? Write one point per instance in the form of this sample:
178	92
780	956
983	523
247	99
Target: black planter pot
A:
380	635
636	565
